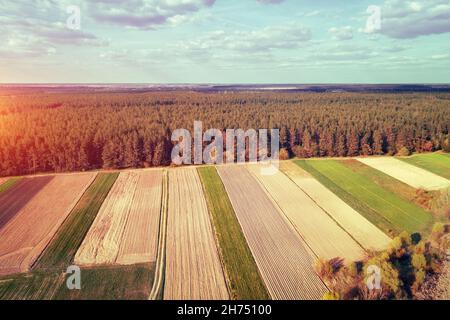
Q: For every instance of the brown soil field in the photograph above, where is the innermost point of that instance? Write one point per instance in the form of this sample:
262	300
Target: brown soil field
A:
102	242
140	239
282	257
15	198
361	229
193	268
323	235
2	180
26	235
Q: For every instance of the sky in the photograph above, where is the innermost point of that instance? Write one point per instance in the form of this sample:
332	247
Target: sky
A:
225	41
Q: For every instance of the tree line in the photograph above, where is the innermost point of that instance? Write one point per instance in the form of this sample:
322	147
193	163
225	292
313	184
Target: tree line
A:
76	131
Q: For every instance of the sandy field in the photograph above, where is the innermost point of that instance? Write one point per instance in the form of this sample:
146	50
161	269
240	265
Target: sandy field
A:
407	173
26	235
193	268
282	257
102	242
323	235
361	229
140	239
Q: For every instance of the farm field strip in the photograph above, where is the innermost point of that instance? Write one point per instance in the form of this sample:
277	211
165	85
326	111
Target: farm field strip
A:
16	196
26	235
407	173
101	244
323	235
401	214
281	255
245	282
98	283
61	250
7	184
434	162
140	238
193	267
362	230
3	180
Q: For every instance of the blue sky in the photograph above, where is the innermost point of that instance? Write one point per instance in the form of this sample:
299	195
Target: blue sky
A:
225	41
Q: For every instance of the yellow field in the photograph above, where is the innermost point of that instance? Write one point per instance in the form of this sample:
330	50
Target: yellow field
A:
102	242
281	255
361	229
193	268
414	176
26	235
323	235
140	238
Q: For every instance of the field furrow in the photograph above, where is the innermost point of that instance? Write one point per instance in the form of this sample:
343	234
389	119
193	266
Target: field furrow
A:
102	241
281	255
26	235
323	235
407	173
140	238
361	229
193	268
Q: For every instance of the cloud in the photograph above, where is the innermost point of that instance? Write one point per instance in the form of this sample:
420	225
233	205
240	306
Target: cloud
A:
289	36
35	29
145	14
341	33
402	19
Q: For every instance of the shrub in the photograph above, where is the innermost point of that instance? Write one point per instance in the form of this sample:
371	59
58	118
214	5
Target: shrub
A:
284	154
403	152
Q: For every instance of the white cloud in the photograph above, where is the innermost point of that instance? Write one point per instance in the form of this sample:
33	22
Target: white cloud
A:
402	19
341	33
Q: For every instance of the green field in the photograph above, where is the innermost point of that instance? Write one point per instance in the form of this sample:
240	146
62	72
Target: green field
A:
382	179
63	247
8	184
112	283
433	162
31	286
244	279
99	283
385	209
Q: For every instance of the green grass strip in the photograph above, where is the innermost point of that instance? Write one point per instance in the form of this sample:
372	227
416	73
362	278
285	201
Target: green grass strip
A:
242	272
132	282
97	283
433	162
62	249
8	184
31	286
383	208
